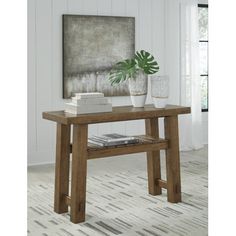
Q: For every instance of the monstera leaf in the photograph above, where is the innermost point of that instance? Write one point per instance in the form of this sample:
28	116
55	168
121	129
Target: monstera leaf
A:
146	62
122	71
129	68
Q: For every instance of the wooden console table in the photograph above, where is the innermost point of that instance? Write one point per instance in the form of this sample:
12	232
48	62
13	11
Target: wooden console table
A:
82	151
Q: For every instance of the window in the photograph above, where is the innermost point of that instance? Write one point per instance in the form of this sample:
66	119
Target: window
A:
203	46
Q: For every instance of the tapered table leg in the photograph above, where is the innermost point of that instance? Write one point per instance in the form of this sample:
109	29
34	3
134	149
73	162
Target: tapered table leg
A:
172	160
153	158
79	172
62	168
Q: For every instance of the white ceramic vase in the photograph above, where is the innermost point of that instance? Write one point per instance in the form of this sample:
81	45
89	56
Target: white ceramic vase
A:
138	89
159	102
159	90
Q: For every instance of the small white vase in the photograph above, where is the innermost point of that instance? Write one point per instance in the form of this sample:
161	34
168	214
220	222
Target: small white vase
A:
159	102
138	89
159	90
138	100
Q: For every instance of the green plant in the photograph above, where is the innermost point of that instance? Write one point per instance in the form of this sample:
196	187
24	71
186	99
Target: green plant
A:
129	68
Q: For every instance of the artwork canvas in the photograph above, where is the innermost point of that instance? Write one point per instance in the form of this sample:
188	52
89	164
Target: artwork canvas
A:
91	46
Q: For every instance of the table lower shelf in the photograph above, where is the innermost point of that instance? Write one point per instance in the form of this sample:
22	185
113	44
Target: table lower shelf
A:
145	144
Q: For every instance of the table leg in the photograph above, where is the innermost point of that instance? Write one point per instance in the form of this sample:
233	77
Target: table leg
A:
153	158
62	167
172	160
79	173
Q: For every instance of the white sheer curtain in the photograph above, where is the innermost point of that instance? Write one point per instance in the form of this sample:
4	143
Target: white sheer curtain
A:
191	136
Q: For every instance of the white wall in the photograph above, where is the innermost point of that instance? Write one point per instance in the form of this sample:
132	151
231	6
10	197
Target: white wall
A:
45	62
156	31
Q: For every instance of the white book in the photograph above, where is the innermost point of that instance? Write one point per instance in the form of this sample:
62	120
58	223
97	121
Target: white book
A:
87	109
78	101
89	95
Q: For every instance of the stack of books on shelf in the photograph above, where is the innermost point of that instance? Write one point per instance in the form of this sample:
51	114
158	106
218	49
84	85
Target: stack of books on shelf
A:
113	139
85	103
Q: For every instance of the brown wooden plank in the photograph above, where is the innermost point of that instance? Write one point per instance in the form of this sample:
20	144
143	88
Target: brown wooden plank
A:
67	200
153	158
118	114
162	183
62	167
126	149
172	160
79	172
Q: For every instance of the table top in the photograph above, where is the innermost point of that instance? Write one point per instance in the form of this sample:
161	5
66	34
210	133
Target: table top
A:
120	113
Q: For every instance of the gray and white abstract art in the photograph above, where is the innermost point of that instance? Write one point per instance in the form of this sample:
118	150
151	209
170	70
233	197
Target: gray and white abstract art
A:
91	46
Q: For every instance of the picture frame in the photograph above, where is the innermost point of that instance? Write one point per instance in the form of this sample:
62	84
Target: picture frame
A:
91	46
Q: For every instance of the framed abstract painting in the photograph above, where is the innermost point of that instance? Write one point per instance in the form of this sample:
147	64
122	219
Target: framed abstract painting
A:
91	46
